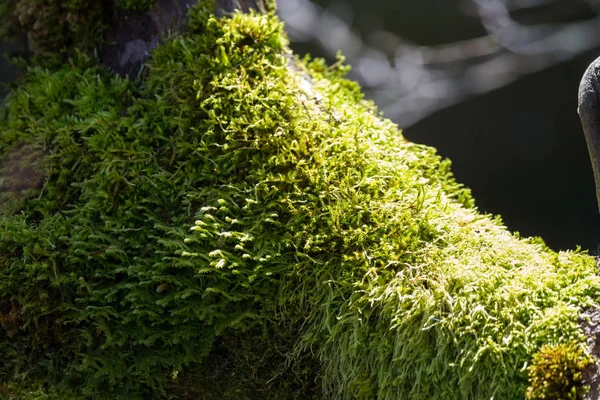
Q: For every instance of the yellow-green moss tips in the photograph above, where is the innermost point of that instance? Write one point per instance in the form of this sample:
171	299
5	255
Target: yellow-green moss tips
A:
556	373
240	202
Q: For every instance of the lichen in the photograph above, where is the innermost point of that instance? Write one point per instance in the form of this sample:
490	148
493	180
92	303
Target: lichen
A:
243	224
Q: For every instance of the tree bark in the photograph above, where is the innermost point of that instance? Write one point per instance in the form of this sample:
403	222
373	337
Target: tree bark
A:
590	323
132	35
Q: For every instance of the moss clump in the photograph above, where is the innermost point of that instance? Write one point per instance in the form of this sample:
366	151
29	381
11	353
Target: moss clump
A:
239	201
556	373
54	28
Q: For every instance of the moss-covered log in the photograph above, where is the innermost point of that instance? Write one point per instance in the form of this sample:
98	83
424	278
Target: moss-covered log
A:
242	224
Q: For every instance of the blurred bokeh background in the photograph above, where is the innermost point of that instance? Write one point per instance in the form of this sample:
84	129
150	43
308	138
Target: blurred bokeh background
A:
492	84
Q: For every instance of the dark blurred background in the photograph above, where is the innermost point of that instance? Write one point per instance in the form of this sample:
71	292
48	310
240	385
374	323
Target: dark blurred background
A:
492	84
8	72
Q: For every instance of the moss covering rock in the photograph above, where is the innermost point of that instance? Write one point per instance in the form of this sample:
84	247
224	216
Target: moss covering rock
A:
242	224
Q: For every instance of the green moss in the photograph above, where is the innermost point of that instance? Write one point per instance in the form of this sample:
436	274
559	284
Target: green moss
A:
55	28
240	202
270	5
556	373
199	15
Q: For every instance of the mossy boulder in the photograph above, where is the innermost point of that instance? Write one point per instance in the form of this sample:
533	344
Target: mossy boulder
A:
242	224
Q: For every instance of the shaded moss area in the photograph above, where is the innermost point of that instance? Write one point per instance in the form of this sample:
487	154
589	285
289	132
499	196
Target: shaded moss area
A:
54	28
245	225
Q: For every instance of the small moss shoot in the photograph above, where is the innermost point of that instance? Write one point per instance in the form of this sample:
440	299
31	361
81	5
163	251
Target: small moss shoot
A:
167	234
556	373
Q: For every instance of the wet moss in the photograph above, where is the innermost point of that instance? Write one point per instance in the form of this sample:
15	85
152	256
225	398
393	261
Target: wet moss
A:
243	224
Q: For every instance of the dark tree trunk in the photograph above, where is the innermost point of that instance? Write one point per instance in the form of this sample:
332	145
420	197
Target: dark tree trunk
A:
133	34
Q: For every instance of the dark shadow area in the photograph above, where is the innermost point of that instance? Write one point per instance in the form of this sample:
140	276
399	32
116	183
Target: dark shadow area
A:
8	72
522	152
